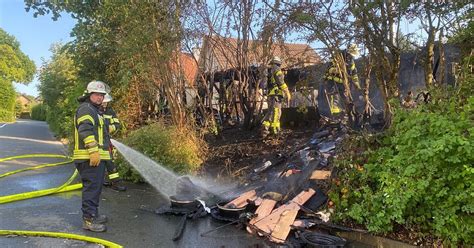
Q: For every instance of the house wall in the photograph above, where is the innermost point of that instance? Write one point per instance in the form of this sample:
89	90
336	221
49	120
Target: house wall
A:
191	94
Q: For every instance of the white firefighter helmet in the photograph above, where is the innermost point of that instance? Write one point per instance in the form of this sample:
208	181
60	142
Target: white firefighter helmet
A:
276	60
98	87
107	98
353	50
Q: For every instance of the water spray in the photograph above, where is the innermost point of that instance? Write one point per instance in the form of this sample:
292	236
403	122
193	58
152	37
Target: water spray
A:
178	189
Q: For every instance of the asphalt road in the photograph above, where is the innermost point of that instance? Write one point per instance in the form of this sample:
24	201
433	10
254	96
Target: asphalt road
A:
128	225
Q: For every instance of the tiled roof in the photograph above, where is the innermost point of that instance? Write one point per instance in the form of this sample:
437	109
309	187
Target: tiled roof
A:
222	53
23	99
189	66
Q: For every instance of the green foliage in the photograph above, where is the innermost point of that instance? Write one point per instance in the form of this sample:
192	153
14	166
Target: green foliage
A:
176	149
59	90
464	37
419	174
14	64
39	112
7	101
6	116
303	17
122	43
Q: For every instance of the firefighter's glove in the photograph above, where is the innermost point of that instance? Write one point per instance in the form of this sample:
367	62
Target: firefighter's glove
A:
111	129
94	157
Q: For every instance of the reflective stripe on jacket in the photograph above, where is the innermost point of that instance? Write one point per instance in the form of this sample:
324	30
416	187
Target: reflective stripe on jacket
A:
89	133
277	84
111	120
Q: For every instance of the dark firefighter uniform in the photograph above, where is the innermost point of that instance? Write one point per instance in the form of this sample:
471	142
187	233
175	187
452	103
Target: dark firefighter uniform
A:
113	125
335	83
90	135
276	87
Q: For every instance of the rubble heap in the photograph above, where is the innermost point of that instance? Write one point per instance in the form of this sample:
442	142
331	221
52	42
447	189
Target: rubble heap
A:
282	197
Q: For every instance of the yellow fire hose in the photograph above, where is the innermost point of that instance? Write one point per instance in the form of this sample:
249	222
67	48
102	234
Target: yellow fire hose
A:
32	194
33	168
60	235
34	156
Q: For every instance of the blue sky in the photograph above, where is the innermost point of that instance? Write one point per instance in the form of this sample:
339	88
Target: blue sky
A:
34	34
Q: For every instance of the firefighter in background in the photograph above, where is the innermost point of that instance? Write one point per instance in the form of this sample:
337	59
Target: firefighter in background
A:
113	125
276	91
91	151
335	90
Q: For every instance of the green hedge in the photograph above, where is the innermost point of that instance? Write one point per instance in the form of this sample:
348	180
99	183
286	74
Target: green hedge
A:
39	112
60	121
6	116
7	101
179	150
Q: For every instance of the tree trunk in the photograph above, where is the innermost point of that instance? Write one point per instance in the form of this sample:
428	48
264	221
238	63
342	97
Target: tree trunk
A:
368	71
442	60
395	68
429	58
385	97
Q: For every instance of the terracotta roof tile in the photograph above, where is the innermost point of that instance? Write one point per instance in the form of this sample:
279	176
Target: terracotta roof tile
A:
189	66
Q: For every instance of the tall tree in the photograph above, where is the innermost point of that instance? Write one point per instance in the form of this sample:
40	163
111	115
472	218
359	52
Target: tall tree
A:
328	22
379	22
15	66
129	46
59	89
434	17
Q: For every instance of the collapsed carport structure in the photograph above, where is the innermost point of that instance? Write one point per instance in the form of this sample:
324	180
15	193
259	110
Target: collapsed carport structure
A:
233	78
235	92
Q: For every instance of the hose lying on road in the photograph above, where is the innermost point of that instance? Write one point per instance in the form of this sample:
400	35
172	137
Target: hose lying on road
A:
34	156
32	194
37	193
35	167
60	235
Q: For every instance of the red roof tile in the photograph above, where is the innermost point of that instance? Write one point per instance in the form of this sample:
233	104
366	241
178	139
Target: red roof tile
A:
189	66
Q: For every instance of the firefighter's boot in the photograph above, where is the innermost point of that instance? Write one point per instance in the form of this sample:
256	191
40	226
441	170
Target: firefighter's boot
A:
116	185
101	219
92	225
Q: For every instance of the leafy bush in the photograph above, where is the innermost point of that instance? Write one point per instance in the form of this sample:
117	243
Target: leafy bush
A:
7	101
419	174
39	112
177	149
6	116
60	119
